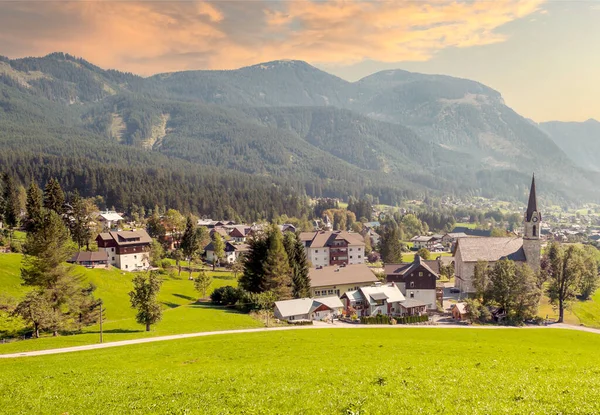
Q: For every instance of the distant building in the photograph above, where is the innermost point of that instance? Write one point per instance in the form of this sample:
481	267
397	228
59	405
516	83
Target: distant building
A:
308	309
232	252
416	280
324	248
384	299
109	219
126	250
98	259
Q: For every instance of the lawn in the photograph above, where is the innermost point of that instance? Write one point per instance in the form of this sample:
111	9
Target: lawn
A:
351	371
181	312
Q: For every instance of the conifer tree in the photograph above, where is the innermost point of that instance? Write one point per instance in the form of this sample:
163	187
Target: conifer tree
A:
11	208
298	264
189	242
278	275
391	247
252	279
218	248
33	207
78	221
54	197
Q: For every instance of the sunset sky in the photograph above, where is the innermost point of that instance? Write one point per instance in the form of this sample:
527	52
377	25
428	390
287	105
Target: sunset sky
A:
543	56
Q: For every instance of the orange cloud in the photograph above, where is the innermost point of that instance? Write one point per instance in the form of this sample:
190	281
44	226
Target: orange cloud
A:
149	37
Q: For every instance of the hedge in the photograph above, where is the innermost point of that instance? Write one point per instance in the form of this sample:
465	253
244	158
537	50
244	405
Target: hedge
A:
381	319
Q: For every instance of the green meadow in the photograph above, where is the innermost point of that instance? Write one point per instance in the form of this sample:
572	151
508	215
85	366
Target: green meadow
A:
182	312
319	371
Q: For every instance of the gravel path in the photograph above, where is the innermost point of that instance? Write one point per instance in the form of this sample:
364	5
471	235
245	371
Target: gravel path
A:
337	325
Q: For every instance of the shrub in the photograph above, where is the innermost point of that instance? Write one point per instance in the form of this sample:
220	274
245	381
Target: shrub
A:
300	323
227	295
165	263
16	247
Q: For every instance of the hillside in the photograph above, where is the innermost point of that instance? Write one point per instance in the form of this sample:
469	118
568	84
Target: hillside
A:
579	140
302	371
394	134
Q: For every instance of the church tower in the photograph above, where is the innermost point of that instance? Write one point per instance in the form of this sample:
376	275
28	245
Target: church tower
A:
532	244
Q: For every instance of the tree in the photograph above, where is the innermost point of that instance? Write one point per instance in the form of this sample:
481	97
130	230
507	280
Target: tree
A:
252	280
11	208
202	282
189	242
278	275
54	197
588	282
157	253
413	226
36	310
218	248
144	298
424	253
368	245
78	221
155	227
391	247
298	261
564	268
481	279
178	257
237	266
33	207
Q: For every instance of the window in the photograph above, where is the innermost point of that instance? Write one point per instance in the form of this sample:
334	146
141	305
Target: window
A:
351	249
113	258
126	266
359	249
112	249
420	274
359	257
135	257
535	231
316	251
350	256
412	284
317	293
412	294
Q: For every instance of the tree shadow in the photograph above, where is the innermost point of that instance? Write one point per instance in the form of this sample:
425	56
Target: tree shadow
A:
185	297
210	306
117	331
170	304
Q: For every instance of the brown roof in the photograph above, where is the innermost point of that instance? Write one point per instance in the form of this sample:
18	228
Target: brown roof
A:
89	257
325	238
350	274
432	266
125	238
237	233
490	249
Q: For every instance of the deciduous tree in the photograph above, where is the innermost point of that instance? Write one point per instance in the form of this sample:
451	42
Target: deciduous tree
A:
202	283
144	298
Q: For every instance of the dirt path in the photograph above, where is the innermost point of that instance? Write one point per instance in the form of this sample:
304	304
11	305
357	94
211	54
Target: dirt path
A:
316	326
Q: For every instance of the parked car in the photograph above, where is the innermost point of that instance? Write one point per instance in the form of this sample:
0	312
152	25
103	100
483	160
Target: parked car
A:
454	290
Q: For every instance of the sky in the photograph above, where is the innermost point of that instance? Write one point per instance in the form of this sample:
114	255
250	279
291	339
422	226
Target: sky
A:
543	56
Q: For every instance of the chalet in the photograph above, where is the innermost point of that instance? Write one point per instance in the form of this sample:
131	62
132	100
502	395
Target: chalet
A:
416	280
423	242
239	234
299	309
109	219
232	252
326	248
459	311
326	281
126	250
385	299
98	259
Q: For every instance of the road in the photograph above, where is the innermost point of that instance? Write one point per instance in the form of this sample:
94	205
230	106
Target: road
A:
317	325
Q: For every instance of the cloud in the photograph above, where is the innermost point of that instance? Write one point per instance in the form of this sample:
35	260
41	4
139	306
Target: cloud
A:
148	37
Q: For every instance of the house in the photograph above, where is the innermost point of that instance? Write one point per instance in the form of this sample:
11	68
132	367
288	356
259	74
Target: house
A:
109	219
299	309
98	259
385	299
239	234
126	250
459	311
325	281
324	248
416	280
525	249
287	227
232	252
422	241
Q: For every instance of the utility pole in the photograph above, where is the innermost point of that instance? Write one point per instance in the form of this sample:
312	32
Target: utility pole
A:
101	321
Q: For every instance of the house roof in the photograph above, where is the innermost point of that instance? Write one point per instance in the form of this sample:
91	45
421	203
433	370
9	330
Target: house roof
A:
322	239
300	306
229	247
377	292
237	233
456	235
89	256
532	205
110	215
350	274
126	238
490	249
411	303
432	266
462	307
421	238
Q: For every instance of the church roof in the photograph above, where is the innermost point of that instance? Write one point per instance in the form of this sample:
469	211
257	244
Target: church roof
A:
532	205
490	249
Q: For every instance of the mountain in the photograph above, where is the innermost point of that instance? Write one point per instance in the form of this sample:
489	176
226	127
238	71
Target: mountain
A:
394	134
579	140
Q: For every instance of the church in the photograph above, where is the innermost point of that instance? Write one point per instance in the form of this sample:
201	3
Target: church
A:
526	249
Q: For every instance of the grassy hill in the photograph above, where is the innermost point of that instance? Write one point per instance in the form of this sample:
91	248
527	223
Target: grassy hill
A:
335	371
181	312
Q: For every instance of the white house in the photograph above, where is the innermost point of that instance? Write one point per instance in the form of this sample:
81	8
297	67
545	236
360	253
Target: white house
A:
232	252
324	248
308	309
126	250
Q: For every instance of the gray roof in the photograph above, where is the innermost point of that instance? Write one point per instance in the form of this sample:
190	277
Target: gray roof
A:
350	274
432	266
89	257
378	296
301	306
490	249
410	303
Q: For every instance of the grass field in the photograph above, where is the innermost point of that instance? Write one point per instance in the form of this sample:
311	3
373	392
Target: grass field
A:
181	312
351	371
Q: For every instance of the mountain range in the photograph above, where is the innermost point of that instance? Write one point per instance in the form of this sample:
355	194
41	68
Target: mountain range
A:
393	134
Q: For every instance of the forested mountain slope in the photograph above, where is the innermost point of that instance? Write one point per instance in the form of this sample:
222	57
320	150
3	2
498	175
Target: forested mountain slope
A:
282	125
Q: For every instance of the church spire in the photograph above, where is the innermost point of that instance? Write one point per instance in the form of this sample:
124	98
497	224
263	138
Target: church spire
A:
532	205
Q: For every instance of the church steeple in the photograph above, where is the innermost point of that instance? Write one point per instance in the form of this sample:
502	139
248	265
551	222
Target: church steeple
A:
532	205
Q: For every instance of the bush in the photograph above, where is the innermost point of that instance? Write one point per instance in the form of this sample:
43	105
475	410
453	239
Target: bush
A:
227	295
16	247
300	323
412	319
165	263
255	301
